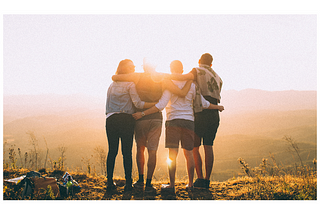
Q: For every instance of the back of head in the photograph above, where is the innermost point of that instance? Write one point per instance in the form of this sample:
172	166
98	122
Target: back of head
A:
176	67
125	67
206	59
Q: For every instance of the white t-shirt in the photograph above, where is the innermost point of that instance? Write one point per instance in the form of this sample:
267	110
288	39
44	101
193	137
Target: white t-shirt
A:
180	107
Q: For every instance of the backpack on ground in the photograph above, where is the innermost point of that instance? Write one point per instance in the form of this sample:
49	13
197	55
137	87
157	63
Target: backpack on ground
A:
43	183
34	182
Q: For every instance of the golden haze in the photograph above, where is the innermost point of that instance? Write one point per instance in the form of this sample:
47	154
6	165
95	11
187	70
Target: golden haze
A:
252	127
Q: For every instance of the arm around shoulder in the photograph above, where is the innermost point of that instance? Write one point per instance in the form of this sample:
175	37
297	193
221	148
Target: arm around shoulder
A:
182	77
133	77
169	85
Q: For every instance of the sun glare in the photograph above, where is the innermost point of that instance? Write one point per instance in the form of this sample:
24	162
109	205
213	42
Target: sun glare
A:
169	161
160	64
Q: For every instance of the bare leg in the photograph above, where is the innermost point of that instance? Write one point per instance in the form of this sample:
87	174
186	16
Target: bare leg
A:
190	165
140	159
198	162
209	158
152	159
173	152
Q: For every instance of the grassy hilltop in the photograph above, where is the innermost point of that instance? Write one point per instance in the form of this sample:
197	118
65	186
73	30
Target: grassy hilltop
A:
67	133
255	184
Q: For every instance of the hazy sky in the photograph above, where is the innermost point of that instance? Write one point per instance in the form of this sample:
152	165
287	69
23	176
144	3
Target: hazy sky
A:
68	54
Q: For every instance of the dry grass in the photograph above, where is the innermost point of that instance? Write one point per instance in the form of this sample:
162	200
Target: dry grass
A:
287	187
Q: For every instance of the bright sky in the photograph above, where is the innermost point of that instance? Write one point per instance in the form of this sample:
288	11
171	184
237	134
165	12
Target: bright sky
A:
68	54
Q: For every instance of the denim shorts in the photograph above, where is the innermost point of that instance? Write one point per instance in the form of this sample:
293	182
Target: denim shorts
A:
147	133
180	130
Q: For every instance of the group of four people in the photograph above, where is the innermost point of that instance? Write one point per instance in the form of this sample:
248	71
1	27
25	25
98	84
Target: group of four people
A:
133	108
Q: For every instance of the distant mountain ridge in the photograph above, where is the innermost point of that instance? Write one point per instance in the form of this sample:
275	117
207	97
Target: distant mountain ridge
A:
254	99
19	106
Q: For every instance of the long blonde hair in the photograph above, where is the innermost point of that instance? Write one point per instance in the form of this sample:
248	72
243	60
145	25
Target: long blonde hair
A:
122	69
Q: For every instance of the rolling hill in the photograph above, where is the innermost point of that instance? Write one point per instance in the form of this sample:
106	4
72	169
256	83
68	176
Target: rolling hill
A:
252	127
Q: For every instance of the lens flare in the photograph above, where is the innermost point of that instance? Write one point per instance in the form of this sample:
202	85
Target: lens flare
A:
169	161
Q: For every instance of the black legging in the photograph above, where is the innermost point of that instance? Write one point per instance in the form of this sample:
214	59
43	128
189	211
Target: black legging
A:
120	126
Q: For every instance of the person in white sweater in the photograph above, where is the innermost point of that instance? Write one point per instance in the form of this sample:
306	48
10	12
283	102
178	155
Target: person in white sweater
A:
179	125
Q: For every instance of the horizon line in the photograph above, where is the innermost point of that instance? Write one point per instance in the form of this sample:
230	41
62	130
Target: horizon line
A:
87	94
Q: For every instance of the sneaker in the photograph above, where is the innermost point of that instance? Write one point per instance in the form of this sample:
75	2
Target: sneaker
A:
199	183
138	184
167	188
150	189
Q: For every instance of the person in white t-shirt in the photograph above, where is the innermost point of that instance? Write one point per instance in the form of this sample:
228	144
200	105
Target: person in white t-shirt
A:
179	125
